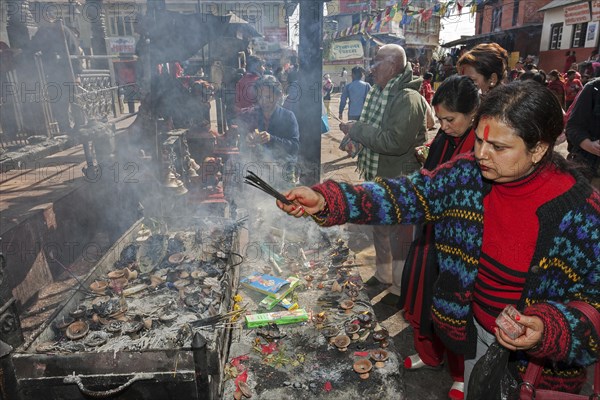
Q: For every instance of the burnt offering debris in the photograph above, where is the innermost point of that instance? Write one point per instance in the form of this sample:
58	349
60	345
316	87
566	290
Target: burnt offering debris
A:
158	290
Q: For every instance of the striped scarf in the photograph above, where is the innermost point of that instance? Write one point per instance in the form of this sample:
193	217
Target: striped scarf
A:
372	114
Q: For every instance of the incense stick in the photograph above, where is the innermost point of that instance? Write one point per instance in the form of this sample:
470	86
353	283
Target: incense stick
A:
254	180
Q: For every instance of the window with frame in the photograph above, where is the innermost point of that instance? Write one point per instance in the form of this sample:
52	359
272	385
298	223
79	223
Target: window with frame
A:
556	31
515	18
496	19
120	25
412	27
579	31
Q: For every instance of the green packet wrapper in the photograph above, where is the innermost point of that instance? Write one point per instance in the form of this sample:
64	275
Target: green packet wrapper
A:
279	318
272	300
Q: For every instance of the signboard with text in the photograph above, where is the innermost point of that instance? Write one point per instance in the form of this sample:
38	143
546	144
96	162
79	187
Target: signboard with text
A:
275	35
346	50
356	6
596	10
121	45
577	14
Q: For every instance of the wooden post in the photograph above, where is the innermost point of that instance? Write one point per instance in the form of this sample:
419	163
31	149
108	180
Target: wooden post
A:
310	54
201	366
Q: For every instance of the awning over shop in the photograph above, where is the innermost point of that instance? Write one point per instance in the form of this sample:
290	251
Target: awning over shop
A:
385	38
493	36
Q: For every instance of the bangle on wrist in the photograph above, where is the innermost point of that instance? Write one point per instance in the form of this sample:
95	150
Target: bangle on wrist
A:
321	216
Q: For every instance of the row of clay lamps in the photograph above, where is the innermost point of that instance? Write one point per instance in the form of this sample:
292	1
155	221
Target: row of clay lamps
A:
364	366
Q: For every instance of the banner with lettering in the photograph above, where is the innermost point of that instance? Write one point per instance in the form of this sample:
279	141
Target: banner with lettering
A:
346	50
577	14
596	10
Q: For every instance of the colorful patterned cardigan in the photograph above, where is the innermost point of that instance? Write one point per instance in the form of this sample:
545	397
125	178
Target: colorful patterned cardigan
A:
565	265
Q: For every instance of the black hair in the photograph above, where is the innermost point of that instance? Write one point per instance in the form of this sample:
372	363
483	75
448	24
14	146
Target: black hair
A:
271	82
427	75
253	62
457	93
357	72
527	107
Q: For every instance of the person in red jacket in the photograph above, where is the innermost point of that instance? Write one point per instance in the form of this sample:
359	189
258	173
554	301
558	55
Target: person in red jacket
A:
245	93
426	90
569	61
556	84
572	87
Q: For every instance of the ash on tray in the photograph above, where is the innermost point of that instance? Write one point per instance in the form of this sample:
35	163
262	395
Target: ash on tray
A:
159	312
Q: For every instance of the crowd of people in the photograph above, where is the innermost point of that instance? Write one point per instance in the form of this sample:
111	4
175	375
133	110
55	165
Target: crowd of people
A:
493	217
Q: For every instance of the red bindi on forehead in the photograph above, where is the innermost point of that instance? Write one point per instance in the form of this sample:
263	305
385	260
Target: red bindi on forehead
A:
486	132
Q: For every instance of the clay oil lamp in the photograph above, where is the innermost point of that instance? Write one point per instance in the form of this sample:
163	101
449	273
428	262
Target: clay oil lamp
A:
45	347
323	272
118	280
181	283
197	274
243	391
365	320
380	356
77	330
184	275
176	258
353	294
62	324
352	331
362	367
79	312
330	332
116	274
341	342
132	327
114	327
99	287
309	279
320	318
131	274
119	313
347	306
381	336
96	339
156	280
167	317
143	234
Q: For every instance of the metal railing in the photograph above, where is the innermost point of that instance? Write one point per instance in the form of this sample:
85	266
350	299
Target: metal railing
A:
96	96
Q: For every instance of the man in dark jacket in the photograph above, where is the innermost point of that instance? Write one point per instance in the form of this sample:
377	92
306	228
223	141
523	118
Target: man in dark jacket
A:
583	130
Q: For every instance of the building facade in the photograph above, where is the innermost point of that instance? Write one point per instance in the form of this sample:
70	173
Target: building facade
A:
377	22
268	17
569	26
516	25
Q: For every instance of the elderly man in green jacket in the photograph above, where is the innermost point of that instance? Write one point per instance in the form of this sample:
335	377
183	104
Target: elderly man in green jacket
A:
392	124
